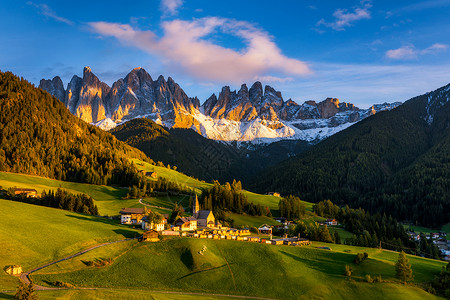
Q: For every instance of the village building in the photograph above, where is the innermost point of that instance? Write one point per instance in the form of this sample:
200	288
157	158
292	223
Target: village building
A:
151	174
13	270
150	236
265	229
146	225
131	215
29	193
331	222
186	224
273	194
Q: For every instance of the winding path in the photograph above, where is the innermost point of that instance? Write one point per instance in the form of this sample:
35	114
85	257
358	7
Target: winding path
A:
26	276
154	206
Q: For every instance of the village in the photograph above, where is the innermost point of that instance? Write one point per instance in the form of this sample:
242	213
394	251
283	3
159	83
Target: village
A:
202	224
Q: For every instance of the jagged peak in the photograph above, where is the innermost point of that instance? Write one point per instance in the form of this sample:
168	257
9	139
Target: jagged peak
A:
87	69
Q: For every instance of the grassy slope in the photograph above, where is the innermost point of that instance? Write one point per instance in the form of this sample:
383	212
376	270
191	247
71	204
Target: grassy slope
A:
31	235
266	200
254	269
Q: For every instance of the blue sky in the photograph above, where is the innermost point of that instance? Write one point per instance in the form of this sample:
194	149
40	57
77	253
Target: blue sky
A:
362	52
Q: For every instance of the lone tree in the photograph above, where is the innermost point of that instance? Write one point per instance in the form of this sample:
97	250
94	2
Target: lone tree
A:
25	291
403	269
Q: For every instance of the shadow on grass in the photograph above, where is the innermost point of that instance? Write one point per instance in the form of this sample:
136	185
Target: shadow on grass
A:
127	233
201	271
94	219
331	263
6	296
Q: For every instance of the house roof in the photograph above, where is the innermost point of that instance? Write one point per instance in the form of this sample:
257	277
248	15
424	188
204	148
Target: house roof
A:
24	190
126	211
183	220
203	214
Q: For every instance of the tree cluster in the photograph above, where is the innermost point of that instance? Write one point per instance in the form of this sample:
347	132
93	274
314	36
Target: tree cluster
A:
313	232
291	207
229	197
145	187
61	199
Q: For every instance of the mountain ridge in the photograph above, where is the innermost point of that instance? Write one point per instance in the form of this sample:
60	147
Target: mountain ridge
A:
249	115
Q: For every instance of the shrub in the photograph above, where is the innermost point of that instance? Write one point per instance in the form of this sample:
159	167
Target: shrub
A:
368	279
348	271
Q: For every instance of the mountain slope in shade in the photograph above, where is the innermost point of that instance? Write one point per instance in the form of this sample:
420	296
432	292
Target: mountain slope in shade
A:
38	136
395	162
258	114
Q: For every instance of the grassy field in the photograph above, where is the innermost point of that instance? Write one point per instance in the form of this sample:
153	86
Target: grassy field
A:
251	221
114	294
244	268
31	235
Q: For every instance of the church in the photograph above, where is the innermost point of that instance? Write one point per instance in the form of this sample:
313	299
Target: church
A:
205	218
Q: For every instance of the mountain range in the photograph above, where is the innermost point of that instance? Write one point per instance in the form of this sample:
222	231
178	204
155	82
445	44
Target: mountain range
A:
396	161
257	115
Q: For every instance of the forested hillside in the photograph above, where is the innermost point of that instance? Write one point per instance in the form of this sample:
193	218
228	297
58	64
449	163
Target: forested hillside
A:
396	162
39	136
190	152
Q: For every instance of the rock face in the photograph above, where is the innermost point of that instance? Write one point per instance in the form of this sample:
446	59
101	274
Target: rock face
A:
258	114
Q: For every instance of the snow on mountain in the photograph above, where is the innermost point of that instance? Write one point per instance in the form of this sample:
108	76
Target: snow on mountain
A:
255	115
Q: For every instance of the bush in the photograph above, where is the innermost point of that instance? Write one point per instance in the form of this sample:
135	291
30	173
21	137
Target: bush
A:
63	284
253	229
368	279
348	271
377	279
360	257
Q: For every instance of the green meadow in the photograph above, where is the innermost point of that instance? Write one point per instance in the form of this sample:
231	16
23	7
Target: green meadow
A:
251	269
32	235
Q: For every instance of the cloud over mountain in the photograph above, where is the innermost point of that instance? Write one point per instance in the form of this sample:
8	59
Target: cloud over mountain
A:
189	45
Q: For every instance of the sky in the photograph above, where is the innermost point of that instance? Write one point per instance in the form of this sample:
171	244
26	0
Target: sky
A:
363	52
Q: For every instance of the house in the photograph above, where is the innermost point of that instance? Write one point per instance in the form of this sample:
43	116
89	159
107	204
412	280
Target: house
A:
146	225
131	215
150	236
274	194
265	229
254	239
13	270
277	241
186	224
205	218
151	174
332	222
29	193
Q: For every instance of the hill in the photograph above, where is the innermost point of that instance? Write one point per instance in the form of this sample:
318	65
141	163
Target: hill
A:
394	162
250	269
25	227
39	136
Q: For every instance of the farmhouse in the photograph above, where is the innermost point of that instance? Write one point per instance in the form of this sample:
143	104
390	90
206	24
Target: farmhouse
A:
150	236
13	270
332	222
29	193
146	225
265	229
274	194
151	174
186	224
131	215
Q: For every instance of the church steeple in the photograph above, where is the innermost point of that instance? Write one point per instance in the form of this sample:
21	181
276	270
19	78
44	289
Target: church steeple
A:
195	207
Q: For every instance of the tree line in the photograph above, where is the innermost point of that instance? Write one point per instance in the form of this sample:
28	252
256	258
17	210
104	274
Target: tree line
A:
61	199
229	197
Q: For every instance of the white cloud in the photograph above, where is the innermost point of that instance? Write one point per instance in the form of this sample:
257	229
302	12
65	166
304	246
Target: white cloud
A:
410	52
406	52
185	45
434	48
45	10
170	7
344	18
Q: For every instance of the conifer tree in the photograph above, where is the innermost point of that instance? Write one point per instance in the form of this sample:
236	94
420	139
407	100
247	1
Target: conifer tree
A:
403	269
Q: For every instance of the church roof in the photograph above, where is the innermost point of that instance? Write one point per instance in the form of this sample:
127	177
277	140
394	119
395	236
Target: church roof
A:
203	214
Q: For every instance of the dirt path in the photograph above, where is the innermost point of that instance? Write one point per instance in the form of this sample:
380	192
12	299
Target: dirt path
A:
154	206
26	276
